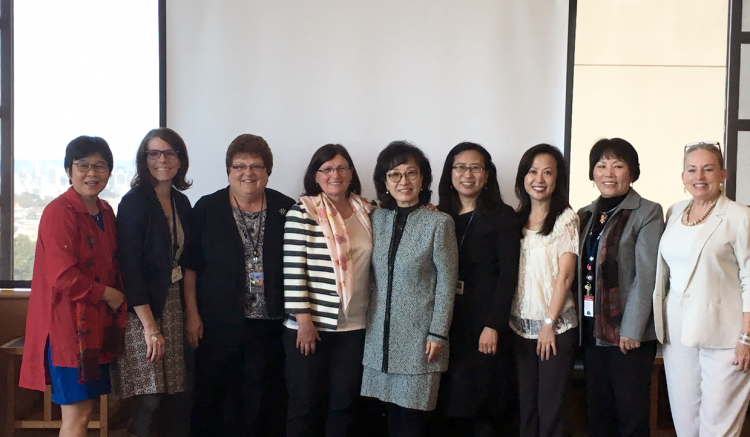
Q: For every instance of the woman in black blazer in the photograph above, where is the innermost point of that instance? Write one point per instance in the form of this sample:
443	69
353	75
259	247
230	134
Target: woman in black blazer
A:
153	224
234	299
476	391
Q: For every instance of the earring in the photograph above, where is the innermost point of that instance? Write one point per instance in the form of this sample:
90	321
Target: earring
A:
631	185
593	184
684	189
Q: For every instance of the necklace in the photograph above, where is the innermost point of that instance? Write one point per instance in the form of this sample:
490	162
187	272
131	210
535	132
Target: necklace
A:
605	215
686	213
254	241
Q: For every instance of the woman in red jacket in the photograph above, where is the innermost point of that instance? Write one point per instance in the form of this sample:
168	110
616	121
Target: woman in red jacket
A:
76	320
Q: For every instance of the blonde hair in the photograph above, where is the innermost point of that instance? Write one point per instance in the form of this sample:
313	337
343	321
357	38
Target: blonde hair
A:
712	148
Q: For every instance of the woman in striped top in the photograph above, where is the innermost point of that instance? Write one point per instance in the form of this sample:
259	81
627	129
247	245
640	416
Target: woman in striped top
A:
327	248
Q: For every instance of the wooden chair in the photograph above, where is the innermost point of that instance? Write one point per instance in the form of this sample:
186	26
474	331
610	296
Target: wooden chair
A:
13	351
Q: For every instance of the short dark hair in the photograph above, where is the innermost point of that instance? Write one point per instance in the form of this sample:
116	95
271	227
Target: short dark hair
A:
84	146
489	199
142	173
395	154
560	196
248	144
615	148
321	156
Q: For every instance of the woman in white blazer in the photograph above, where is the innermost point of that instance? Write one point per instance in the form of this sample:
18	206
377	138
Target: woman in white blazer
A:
702	301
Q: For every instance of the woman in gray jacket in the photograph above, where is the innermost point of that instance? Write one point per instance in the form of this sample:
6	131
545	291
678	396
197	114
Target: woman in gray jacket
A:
620	234
415	263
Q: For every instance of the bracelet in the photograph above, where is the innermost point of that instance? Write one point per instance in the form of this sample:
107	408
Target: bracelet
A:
746	343
744	336
153	335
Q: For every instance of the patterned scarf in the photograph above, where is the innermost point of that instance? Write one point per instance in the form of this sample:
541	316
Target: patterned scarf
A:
607	309
337	237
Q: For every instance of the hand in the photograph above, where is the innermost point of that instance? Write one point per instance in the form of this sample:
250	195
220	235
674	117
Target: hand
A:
488	341
307	334
154	349
194	330
432	207
113	297
741	357
627	344
433	351
545	343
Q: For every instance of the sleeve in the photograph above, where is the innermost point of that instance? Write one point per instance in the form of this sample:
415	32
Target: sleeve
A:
445	258
296	293
742	253
132	227
59	235
192	256
508	257
639	303
568	241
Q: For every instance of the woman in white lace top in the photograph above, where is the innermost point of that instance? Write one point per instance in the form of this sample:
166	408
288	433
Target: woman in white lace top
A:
543	312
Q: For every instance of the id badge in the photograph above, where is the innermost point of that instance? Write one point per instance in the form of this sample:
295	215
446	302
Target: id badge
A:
176	274
256	279
588	306
459	287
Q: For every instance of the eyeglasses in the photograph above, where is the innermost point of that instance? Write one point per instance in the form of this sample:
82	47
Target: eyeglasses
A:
154	154
461	168
85	167
396	177
692	146
255	168
342	169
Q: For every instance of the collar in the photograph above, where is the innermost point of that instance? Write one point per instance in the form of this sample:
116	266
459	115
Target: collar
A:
75	201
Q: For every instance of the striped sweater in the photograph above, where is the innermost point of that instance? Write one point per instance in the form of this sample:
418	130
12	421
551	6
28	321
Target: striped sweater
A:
309	278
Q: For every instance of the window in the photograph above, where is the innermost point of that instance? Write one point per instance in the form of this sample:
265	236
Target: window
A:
80	67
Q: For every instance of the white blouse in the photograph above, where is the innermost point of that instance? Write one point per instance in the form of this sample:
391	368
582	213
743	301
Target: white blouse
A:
675	249
537	273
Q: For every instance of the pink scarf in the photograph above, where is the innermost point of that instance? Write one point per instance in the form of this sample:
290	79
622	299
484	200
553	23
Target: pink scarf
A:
337	237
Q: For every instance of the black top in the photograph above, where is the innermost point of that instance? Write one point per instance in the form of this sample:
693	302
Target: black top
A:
143	245
607	205
218	257
488	264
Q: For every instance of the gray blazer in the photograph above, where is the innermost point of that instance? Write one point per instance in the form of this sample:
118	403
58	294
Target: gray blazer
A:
639	248
423	287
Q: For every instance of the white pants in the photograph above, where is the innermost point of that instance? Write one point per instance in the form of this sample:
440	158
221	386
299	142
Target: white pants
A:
707	395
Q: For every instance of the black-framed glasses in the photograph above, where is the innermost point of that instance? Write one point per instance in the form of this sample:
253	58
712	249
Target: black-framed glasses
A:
154	154
461	168
86	167
396	177
692	146
255	168
342	169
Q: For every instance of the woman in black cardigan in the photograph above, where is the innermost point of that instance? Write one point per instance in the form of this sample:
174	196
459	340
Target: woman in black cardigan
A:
234	299
476	391
153	223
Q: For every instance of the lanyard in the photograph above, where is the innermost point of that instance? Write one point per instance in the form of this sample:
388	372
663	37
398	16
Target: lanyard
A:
173	247
463	237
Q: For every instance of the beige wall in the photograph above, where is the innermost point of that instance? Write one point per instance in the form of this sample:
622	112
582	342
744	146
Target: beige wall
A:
652	72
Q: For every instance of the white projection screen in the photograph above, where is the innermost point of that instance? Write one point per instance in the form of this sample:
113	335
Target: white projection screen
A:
363	73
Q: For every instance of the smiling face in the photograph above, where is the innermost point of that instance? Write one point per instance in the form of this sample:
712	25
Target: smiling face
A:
612	176
162	169
703	175
247	183
468	184
541	178
405	191
337	182
88	184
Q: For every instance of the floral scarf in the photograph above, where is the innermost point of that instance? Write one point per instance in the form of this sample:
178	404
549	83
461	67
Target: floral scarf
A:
322	210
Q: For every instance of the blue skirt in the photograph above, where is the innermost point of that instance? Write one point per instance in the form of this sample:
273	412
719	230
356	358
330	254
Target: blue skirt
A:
65	386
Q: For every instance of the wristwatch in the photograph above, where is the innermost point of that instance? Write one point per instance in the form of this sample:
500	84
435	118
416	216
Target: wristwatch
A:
548	321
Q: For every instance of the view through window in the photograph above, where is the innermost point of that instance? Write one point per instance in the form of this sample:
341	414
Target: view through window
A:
81	67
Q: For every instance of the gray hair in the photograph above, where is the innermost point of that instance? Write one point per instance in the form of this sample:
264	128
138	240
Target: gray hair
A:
712	147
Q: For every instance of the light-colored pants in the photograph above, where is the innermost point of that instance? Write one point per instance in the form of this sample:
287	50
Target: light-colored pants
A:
707	395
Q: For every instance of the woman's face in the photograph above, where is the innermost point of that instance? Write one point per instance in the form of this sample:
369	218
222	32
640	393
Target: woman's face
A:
612	176
406	190
248	176
162	168
336	182
469	184
703	175
541	178
88	183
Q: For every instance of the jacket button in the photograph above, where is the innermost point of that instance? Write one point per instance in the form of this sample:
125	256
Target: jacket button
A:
686	295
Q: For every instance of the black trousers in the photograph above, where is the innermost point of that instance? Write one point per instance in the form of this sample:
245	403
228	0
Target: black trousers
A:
407	422
239	385
542	385
618	390
324	386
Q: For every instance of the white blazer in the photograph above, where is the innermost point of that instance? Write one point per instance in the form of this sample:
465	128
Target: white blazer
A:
718	284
